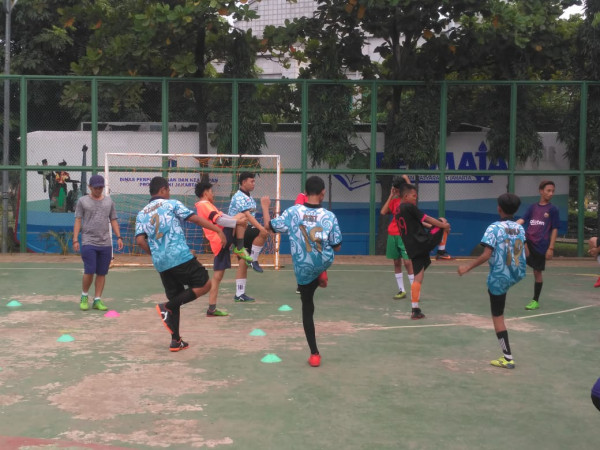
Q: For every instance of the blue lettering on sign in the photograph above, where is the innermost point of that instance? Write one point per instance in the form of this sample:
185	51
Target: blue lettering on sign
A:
468	161
352	182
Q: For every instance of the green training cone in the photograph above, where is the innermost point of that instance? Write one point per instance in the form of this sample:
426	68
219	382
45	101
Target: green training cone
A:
65	338
257	332
271	358
285	308
13	304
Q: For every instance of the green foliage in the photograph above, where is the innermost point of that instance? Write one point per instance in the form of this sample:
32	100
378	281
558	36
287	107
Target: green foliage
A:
587	67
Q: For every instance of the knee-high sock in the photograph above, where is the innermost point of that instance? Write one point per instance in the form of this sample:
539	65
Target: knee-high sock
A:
415	291
400	281
442	245
504	345
537	290
174	305
307	292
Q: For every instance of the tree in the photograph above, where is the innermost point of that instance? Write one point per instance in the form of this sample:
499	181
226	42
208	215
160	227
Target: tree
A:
327	46
177	38
42	46
513	40
587	68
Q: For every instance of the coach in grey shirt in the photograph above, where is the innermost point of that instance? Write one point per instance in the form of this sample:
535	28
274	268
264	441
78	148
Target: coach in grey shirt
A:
93	214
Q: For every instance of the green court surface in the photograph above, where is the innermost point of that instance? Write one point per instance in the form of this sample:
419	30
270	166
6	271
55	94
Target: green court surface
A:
385	382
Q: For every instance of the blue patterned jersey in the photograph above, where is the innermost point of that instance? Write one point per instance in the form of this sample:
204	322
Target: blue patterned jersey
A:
313	232
507	263
241	202
162	221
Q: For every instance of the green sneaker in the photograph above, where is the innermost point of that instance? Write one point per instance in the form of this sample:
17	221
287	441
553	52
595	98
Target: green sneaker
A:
504	363
99	305
83	305
533	304
400	295
242	253
216	313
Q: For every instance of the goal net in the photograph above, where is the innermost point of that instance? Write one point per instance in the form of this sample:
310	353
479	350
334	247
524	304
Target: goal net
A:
128	178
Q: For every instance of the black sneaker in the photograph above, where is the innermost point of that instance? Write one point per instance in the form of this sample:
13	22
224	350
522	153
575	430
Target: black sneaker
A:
417	314
178	345
243	299
256	267
443	254
166	316
298	288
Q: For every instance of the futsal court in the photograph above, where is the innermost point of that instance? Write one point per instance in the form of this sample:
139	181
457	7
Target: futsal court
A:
80	380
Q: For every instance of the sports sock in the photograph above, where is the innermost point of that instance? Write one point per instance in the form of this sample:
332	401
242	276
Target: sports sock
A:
84	293
415	292
96	299
537	289
308	309
180	299
504	345
411	278
212	308
240	286
255	252
239	243
442	245
400	281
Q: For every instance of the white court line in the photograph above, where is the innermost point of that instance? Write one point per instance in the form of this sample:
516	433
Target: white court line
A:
409	326
457	324
551	313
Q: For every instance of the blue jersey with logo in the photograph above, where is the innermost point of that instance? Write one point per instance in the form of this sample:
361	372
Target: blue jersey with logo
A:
241	202
162	221
540	220
507	263
313	232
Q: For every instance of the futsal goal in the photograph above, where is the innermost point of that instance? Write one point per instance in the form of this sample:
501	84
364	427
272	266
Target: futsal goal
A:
128	178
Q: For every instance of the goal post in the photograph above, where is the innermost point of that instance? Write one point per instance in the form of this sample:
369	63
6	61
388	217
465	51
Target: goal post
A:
127	181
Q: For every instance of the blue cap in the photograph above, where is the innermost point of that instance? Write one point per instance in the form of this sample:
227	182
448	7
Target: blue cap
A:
97	181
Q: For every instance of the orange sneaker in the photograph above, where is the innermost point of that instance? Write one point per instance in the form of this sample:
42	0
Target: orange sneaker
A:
314	360
597	282
323	279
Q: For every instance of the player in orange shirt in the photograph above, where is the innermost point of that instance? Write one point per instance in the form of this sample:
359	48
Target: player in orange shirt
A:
206	208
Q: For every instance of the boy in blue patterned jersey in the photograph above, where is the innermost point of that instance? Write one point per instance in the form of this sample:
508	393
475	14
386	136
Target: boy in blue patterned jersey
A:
314	236
504	248
159	232
254	238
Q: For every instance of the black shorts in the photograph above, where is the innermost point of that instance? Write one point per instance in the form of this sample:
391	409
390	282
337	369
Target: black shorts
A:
222	261
191	273
249	236
497	303
535	260
422	260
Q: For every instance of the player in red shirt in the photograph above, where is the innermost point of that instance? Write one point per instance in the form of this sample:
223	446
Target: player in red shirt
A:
395	247
206	208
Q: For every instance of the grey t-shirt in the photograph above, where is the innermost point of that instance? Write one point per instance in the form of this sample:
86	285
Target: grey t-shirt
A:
95	218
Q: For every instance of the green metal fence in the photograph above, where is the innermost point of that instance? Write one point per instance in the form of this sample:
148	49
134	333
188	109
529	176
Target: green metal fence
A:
40	103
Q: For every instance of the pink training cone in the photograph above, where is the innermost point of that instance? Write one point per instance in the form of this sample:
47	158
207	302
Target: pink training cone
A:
112	313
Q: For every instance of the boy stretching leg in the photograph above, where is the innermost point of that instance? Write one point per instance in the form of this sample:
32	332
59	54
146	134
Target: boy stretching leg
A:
504	244
314	236
418	240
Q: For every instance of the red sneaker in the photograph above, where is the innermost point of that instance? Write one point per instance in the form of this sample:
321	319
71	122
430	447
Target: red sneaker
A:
323	279
597	282
315	360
